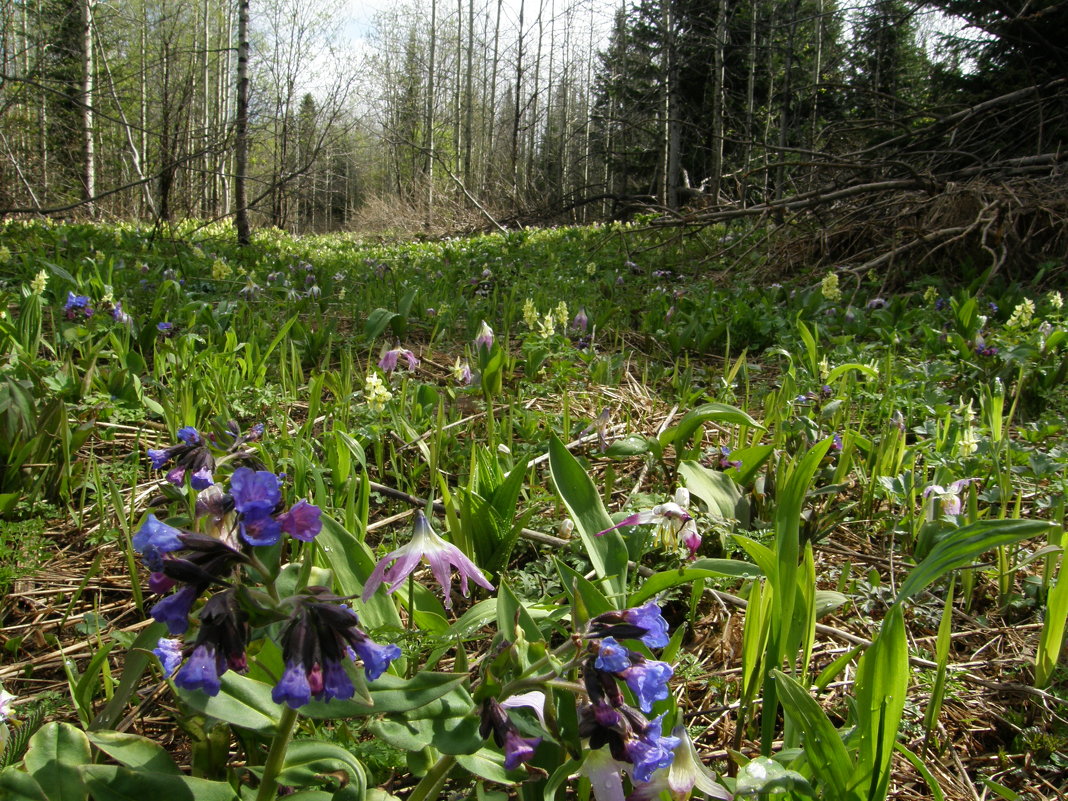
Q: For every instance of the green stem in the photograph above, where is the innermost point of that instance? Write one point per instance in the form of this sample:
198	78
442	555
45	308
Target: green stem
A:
261	568
430	785
276	756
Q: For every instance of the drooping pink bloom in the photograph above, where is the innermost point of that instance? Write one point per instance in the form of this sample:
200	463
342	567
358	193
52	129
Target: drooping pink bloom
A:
439	554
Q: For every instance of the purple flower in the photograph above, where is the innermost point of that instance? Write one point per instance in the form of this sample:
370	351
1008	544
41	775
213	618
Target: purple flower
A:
581	321
649	618
165	328
157	535
255	492
725	461
388	362
336	682
190	436
302	522
159	457
201	671
876	303
673	523
518	749
439	554
118	315
169	653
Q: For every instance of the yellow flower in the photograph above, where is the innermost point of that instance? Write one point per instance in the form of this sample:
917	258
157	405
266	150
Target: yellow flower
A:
547	325
591	268
1055	300
530	313
930	295
39	283
1022	314
561	314
220	270
829	287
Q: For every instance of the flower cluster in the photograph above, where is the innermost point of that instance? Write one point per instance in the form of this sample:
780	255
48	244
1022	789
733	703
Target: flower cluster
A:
321	636
375	392
77	304
1023	314
190	456
633	742
829	287
39	283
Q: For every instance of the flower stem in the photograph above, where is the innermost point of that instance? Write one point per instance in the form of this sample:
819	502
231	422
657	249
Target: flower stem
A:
430	785
276	756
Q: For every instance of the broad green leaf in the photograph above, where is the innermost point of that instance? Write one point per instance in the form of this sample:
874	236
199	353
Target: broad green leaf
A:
962	546
593	600
632	445
136	661
113	783
1052	638
752	459
389	693
681	434
134	751
55	754
352	562
511	613
764	777
824	749
720	494
842	369
18	785
881	686
308	759
489	765
450	735
702	568
377	321
241	701
607	552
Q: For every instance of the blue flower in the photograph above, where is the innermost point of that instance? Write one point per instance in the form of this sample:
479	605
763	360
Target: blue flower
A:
201	671
648	680
651	750
612	657
376	658
201	479
336	682
190	436
174	609
157	536
518	749
159	457
293	688
75	304
649	618
255	492
261	529
169	653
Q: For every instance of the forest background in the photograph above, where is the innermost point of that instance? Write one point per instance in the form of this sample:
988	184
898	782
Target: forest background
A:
485	113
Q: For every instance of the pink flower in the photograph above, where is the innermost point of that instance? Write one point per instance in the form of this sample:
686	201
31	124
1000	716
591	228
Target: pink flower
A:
439	554
388	362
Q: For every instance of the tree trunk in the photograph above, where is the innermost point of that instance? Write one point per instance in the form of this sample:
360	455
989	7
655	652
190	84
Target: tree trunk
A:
244	234
88	144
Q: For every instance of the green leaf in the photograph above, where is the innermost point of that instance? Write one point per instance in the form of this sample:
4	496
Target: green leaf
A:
56	752
137	659
752	460
352	562
134	751
963	545
824	749
681	434
593	600
489	765
241	701
720	494
390	693
16	785
633	445
308	760
113	783
881	686
607	552
377	321
448	734
702	568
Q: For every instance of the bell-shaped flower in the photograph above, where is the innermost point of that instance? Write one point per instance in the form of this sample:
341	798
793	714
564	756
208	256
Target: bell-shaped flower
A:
643	623
646	678
685	774
302	522
517	748
169	653
439	554
484	337
255	492
320	636
190	456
